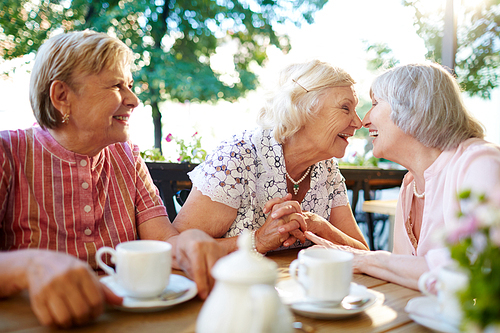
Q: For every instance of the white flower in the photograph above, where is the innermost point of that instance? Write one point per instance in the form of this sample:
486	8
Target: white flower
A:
487	215
479	242
469	205
495	235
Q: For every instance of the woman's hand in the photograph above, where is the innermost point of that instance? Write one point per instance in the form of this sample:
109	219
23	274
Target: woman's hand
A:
341	229
64	291
284	225
196	253
327	244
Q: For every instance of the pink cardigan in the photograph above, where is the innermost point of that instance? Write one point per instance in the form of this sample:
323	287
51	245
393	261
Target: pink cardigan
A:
474	164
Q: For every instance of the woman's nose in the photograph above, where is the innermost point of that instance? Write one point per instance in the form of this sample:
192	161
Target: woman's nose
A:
366	119
356	122
131	99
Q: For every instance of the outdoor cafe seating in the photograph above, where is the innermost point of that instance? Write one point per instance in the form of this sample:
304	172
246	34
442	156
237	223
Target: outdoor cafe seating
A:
387	310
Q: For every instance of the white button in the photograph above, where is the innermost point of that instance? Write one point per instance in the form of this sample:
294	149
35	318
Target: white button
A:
88	232
87	208
85	185
83	163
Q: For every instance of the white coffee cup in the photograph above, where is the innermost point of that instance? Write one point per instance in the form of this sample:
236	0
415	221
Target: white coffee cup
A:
143	267
325	274
449	280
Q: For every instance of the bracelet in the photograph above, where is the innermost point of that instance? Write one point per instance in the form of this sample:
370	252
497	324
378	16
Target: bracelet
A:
254	247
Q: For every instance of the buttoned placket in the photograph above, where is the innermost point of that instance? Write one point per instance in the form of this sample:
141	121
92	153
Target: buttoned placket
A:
86	201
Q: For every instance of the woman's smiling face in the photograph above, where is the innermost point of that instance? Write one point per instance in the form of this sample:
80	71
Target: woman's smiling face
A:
386	134
101	107
335	121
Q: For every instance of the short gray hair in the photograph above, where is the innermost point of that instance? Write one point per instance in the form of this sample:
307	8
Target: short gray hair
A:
298	94
62	56
426	103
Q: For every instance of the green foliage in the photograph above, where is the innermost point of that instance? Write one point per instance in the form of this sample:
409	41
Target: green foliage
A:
383	57
478	38
362	109
173	39
153	155
360	160
189	151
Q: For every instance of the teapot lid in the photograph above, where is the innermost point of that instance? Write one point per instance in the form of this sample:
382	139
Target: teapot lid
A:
245	265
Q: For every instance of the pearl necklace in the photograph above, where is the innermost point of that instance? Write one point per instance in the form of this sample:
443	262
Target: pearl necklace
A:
296	183
420	196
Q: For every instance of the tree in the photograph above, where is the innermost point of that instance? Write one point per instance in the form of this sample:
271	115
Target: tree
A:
478	42
382	56
173	39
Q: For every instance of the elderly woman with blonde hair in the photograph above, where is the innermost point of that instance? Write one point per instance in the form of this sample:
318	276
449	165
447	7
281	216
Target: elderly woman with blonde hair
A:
281	179
418	119
75	184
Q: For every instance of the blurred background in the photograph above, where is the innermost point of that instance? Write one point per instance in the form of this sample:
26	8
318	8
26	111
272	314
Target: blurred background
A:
203	67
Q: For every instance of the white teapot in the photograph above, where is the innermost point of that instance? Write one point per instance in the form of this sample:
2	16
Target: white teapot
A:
244	299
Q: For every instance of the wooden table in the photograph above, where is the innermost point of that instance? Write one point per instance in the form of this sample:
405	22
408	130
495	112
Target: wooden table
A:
389	316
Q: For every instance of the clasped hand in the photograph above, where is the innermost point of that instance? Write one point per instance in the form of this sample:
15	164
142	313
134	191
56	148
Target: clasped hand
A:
284	225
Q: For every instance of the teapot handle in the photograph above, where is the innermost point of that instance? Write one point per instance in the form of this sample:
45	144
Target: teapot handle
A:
265	305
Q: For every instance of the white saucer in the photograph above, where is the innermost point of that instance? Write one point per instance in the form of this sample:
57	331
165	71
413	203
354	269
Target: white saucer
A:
423	310
176	283
292	294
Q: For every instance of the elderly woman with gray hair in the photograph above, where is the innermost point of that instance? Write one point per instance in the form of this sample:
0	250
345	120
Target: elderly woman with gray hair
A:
418	119
281	179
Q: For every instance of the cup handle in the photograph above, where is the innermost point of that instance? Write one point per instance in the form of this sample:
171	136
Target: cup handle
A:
422	283
292	270
102	264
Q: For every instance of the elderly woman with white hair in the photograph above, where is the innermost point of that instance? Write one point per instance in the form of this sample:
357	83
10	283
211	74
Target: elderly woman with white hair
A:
281	179
418	119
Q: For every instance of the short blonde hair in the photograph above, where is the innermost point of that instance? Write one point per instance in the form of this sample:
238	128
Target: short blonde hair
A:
298	95
63	56
426	103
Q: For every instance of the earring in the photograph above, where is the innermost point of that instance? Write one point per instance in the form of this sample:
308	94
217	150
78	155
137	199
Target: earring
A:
65	118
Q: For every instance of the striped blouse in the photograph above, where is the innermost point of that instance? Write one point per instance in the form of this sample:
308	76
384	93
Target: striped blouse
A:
52	198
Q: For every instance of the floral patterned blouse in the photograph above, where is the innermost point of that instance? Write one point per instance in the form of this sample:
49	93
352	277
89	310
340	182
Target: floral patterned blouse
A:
248	170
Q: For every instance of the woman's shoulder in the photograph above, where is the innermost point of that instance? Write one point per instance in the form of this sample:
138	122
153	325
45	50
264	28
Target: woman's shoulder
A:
238	146
10	139
238	141
476	149
476	145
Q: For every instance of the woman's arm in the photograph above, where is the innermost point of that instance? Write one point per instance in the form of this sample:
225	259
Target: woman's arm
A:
404	270
200	212
215	218
342	229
